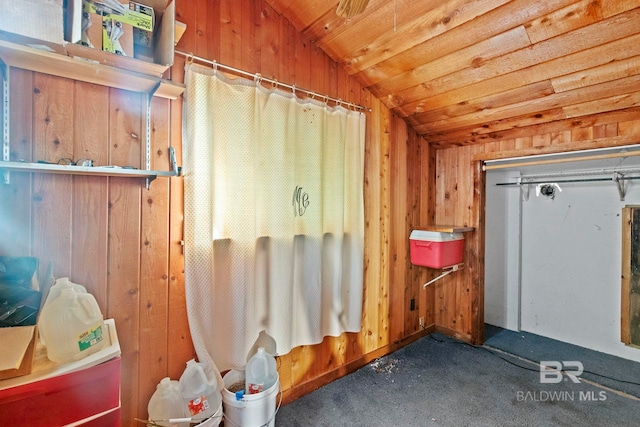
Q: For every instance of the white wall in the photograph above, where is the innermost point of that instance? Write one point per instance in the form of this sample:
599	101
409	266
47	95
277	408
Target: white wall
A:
502	251
570	260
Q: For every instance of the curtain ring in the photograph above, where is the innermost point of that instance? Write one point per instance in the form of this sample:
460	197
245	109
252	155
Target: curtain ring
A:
293	90
274	84
190	57
257	78
215	65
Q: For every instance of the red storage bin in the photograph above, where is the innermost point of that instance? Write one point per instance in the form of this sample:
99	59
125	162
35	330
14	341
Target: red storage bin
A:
63	399
436	250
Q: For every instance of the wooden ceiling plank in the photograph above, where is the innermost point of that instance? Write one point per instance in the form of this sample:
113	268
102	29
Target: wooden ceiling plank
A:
471	56
503	18
618	50
566	147
509	97
364	46
564	99
618	102
561	21
302	13
605	31
515	127
327	27
607	72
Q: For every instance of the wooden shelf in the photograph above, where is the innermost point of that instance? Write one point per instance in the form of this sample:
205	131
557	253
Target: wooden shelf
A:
28	58
445	228
149	175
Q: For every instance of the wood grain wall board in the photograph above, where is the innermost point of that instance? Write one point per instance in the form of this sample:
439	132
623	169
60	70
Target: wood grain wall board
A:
154	261
127	138
53	137
179	336
90	194
89	236
269	40
383	295
399	290
53	112
230	32
489	24
456	89
207	30
250	58
123	286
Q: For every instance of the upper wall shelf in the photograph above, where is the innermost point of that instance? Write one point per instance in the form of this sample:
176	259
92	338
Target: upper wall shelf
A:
28	58
115	171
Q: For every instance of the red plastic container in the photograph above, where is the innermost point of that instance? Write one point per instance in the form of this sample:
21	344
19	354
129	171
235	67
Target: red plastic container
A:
65	399
436	250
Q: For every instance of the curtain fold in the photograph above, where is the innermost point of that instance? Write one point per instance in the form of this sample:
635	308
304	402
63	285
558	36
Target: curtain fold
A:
274	217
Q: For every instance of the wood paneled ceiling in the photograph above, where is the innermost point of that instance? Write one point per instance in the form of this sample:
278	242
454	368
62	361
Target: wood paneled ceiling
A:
463	71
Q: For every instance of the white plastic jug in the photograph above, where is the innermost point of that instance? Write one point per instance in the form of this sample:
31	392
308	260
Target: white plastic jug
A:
166	404
54	292
72	326
261	372
199	390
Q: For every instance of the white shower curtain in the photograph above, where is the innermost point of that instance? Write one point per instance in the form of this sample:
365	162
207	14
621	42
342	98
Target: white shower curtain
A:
274	217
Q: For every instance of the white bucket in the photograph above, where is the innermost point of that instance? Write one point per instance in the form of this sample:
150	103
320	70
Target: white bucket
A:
214	420
252	410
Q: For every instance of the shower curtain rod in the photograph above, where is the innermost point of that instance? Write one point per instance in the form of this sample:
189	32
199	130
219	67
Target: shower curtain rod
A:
276	83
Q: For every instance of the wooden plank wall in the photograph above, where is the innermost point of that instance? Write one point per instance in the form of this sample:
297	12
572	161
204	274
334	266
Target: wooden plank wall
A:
109	234
250	35
122	241
459	296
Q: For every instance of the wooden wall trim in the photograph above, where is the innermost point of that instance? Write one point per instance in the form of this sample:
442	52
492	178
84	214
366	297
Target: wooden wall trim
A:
477	248
627	215
617	141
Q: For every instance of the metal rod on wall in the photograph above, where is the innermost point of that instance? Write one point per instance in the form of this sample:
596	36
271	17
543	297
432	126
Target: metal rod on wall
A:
294	89
622	178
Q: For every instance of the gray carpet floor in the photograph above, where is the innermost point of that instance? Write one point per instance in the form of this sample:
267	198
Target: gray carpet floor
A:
439	381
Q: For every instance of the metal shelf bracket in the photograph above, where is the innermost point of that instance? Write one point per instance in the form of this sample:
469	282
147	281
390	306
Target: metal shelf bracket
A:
446	272
6	142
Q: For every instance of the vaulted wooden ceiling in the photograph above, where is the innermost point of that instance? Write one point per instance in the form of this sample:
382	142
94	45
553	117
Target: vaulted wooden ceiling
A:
464	71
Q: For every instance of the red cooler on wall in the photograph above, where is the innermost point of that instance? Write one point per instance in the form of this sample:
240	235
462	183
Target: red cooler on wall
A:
436	250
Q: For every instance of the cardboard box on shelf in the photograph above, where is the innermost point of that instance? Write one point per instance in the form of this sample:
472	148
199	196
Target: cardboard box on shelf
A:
20	301
152	29
19	343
